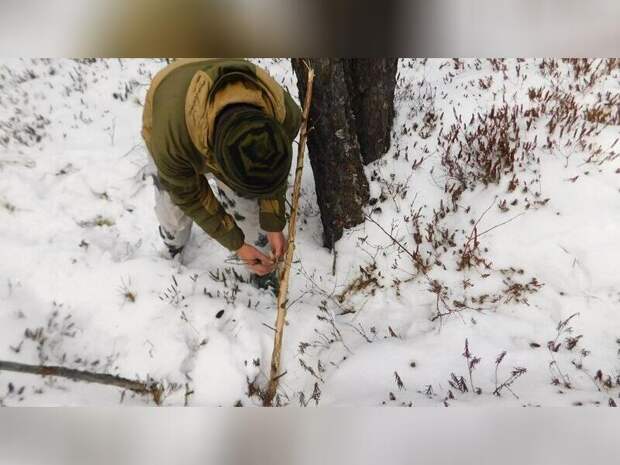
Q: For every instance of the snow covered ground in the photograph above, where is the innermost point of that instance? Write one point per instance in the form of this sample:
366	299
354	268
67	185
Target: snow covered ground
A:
474	282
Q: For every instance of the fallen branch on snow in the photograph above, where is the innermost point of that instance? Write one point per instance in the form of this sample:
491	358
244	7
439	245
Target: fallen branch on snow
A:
155	390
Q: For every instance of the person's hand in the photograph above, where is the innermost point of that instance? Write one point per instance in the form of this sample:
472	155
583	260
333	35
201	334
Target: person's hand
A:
278	244
255	260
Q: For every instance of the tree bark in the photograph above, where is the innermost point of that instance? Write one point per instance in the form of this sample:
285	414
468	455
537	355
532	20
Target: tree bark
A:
333	148
350	123
371	84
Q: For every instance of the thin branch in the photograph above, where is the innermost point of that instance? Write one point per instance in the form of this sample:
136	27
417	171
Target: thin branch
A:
501	224
153	389
396	241
288	259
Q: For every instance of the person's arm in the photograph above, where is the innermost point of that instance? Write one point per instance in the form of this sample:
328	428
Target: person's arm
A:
191	192
272	216
272	211
292	120
273	220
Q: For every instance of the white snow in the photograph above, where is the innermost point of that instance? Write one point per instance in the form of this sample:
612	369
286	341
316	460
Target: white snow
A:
78	232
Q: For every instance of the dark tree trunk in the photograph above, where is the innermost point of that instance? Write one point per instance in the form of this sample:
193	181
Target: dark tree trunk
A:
350	122
371	84
341	185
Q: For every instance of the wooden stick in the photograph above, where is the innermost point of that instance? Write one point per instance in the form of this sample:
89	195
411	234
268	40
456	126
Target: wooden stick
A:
139	387
288	257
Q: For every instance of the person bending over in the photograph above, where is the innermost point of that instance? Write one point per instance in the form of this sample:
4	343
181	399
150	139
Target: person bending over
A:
229	118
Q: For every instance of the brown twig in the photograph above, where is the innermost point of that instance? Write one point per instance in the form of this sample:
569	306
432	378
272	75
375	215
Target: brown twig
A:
414	256
501	224
153	389
288	259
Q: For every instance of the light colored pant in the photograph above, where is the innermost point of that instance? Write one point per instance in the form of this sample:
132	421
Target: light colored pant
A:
175	227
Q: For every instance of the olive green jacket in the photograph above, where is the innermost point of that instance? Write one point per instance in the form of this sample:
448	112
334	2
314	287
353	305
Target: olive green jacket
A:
178	128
